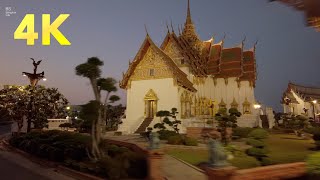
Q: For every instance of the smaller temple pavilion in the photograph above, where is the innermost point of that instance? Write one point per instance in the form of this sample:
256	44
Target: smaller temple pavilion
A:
298	99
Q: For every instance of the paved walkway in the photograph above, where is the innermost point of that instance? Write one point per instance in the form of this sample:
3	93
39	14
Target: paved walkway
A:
173	168
15	167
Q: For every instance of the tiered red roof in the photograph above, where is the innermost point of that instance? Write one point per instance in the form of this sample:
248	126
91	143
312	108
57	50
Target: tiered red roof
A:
207	59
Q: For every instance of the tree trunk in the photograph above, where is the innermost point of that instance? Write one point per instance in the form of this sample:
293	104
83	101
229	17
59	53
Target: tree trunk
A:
96	129
105	108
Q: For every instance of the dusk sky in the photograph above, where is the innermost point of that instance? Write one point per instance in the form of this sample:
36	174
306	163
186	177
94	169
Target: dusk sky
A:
113	30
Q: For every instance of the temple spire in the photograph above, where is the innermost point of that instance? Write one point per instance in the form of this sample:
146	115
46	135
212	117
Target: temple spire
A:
189	33
189	20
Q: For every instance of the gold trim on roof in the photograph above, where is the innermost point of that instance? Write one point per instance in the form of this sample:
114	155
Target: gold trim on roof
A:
179	76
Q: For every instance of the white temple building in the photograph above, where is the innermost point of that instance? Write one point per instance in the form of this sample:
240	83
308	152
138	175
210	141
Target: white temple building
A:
196	77
299	99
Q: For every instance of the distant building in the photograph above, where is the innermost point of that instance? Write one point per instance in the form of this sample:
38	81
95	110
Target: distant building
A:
298	99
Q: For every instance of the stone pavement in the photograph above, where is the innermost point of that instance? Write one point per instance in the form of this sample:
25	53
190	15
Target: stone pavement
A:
173	168
14	166
177	170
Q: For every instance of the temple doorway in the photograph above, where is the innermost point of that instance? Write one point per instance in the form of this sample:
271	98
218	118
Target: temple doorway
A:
150	100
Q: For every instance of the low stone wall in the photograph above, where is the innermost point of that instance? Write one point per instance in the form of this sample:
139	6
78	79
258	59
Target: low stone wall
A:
154	158
198	132
274	172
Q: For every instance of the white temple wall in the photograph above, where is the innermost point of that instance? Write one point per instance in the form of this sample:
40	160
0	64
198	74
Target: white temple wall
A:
227	91
166	92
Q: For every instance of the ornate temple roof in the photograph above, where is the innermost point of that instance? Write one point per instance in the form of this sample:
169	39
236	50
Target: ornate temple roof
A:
207	58
204	58
180	76
304	92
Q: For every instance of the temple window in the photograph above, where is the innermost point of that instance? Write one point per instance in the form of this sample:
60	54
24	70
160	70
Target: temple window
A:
182	61
246	107
151	72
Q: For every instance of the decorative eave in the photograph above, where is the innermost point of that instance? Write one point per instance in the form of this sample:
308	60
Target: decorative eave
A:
306	93
179	76
234	102
246	102
222	103
151	95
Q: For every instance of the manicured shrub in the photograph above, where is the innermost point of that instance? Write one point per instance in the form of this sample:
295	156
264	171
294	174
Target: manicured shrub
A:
257	152
313	164
317	145
54	145
241	132
265	161
255	143
312	130
188	141
71	148
258	134
165	134
316	136
176	140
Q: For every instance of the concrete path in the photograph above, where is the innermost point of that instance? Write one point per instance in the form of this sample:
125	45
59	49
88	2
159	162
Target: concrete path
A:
15	167
173	169
176	170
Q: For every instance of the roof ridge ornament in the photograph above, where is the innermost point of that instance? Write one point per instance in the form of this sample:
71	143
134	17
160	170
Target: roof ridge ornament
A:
172	29
167	27
145	27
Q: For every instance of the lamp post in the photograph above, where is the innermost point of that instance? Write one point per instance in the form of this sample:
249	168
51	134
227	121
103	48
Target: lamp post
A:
257	106
34	79
314	102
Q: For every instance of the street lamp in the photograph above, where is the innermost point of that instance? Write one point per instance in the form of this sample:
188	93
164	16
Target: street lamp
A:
34	79
257	106
314	102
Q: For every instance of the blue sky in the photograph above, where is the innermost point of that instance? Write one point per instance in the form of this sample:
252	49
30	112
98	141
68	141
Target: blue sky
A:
113	30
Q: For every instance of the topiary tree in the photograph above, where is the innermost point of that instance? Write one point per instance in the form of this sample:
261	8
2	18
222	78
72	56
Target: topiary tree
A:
258	150
227	119
166	121
91	70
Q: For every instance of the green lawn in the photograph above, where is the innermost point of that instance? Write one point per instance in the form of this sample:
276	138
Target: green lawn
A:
286	148
283	148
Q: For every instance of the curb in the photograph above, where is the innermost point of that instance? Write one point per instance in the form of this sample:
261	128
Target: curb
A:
190	165
76	174
57	166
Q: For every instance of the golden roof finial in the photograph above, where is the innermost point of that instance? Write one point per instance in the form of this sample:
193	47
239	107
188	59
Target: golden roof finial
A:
244	39
167	27
189	20
172	29
255	45
145	27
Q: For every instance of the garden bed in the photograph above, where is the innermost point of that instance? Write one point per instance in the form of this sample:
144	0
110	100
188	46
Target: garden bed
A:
70	149
284	148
